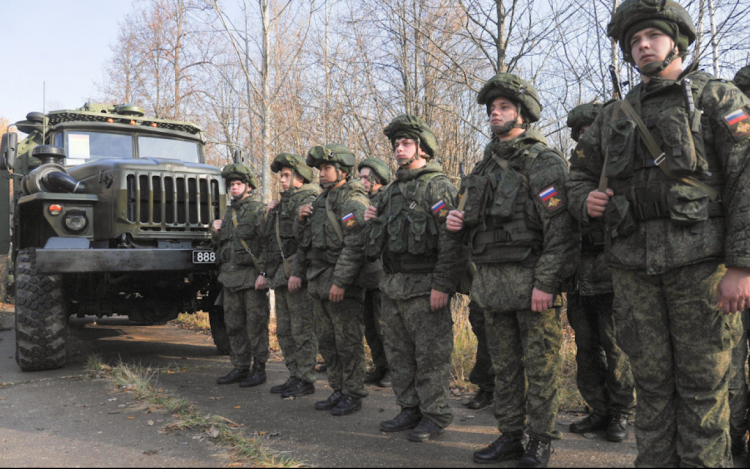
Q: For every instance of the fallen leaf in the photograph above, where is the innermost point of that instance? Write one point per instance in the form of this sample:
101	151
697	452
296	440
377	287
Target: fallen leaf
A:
131	418
150	423
236	407
213	432
112	400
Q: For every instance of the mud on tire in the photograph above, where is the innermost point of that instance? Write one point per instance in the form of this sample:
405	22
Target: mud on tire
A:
41	317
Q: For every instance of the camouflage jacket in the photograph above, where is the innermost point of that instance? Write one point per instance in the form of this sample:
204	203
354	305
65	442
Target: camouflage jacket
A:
236	263
285	213
656	223
447	254
328	259
376	198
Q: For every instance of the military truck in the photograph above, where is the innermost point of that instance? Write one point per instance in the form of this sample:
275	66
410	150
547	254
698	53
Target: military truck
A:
109	214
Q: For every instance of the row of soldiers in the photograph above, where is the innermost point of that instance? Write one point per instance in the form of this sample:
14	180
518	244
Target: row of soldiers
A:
648	231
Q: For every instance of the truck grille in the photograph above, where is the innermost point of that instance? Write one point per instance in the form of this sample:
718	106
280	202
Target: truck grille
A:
188	202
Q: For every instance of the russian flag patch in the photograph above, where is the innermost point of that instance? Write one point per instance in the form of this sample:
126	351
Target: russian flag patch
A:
739	123
440	209
551	199
349	220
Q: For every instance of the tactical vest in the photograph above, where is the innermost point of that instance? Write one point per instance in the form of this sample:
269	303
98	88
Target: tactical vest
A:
233	255
407	230
286	214
644	191
508	232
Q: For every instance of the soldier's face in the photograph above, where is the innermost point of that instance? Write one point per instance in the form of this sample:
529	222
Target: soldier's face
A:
583	130
237	188
286	178
650	45
502	111
364	175
405	149
328	173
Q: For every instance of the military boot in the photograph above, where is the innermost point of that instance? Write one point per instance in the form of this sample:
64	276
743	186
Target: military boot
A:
347	405
481	400
298	389
280	388
257	377
617	429
406	420
537	454
386	381
238	374
592	423
425	430
508	446
375	375
329	403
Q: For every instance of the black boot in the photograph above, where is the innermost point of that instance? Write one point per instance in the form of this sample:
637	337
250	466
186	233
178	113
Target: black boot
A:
617	430
329	403
739	445
375	375
592	423
425	430
504	448
347	405
386	381
537	454
298	389
481	400
257	377
406	420
280	388
238	374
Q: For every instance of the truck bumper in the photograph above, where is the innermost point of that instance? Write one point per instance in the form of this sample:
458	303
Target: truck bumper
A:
67	261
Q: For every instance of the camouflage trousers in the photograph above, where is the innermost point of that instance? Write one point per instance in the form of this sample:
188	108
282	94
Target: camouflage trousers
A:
604	377
419	344
525	348
246	314
295	330
481	374
679	345
341	329
374	328
738	393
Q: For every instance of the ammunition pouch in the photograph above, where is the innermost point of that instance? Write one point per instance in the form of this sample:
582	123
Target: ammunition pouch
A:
375	238
593	238
505	191
619	218
476	189
679	147
621	146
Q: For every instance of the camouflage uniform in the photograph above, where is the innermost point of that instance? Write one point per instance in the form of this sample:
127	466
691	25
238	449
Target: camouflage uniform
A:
246	310
418	256
329	261
372	312
670	243
295	318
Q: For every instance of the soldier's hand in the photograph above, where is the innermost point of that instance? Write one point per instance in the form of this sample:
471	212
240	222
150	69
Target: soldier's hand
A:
455	221
294	284
305	211
438	300
261	283
336	294
272	205
597	201
733	293
217	225
371	213
540	301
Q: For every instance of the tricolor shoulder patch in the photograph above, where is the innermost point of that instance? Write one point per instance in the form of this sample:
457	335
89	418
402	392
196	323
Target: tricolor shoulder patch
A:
551	199
739	123
440	210
349	220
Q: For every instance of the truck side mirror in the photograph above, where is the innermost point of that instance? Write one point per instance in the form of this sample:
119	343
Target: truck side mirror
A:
8	150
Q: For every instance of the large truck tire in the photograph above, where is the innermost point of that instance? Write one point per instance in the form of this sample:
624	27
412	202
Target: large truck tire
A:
41	318
219	330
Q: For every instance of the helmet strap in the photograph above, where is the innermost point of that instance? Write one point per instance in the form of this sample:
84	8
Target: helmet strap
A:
508	126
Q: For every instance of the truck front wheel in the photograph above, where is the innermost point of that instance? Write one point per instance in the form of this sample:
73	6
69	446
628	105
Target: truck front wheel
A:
41	317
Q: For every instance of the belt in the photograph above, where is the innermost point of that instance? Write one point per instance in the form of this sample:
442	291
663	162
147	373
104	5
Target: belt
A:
409	264
651	210
497	235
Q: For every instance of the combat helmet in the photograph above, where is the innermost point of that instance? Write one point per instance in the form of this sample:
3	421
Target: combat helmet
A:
516	89
742	79
581	116
667	15
379	167
333	154
239	172
414	128
295	162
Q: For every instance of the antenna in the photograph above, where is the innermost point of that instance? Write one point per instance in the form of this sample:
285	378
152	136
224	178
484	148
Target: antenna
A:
44	112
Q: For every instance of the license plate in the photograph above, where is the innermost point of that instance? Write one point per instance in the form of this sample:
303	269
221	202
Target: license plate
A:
204	257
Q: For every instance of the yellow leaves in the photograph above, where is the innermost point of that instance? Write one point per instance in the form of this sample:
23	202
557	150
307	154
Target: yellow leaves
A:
236	407
131	418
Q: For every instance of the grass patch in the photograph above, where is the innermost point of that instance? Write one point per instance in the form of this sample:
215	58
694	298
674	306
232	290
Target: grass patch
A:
196	321
141	382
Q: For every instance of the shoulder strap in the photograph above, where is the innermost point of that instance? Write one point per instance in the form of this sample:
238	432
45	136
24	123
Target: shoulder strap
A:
334	221
278	236
244	244
503	163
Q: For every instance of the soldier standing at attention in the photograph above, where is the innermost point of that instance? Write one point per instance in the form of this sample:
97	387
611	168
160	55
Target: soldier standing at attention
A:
295	318
332	238
408	229
738	403
246	309
375	174
524	244
604	377
667	169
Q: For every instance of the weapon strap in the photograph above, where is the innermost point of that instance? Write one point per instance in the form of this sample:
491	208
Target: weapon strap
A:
244	244
332	218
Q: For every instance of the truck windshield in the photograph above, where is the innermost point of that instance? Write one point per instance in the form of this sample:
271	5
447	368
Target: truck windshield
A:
156	147
84	146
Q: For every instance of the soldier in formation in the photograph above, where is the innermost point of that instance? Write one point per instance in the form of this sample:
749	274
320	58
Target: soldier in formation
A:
666	169
604	378
295	318
331	233
246	310
524	243
375	174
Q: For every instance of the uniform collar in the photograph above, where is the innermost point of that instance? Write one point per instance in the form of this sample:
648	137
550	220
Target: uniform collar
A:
403	175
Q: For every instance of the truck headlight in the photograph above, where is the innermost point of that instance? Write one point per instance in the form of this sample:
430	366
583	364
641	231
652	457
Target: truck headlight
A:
76	221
